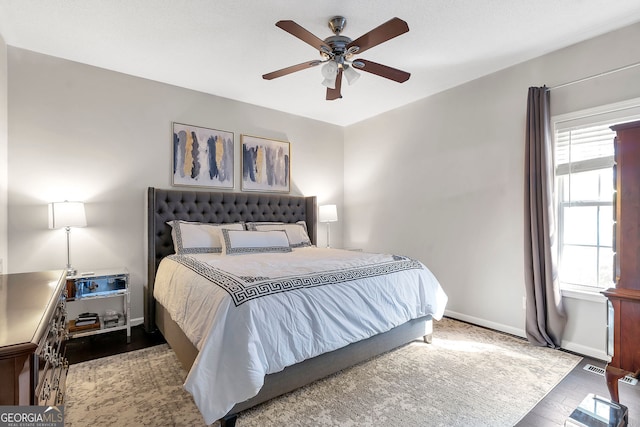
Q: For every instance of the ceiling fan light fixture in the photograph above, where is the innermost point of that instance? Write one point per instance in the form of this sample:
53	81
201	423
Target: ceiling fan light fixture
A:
329	72
351	75
330	83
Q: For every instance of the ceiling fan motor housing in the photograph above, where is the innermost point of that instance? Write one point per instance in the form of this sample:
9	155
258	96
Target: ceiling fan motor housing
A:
338	45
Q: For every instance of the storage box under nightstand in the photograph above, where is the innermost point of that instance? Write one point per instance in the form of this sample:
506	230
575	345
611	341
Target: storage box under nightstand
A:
596	411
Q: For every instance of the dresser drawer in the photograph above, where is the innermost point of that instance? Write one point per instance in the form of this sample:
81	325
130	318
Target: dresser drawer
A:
33	365
50	359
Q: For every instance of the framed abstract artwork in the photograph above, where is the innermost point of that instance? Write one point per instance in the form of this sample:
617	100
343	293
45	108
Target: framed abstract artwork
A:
202	157
266	164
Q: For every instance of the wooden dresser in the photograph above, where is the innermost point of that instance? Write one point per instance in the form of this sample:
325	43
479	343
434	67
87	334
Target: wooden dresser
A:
625	296
33	366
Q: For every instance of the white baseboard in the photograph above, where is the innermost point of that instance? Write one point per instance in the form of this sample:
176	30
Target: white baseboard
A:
586	351
486	323
567	345
137	321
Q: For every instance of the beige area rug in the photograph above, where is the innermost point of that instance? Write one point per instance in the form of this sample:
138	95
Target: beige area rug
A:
468	376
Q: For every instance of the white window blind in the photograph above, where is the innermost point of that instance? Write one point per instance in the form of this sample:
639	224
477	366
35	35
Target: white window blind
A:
585	135
584	149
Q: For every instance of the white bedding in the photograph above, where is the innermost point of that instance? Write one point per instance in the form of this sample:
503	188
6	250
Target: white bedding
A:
273	310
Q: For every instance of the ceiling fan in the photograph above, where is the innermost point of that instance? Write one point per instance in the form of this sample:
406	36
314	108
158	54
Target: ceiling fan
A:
337	52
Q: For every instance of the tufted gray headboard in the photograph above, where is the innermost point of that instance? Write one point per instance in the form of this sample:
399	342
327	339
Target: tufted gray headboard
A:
216	207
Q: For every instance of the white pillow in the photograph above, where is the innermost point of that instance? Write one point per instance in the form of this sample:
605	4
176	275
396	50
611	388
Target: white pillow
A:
197	237
296	232
245	242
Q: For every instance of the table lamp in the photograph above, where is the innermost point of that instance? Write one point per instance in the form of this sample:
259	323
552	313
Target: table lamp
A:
66	215
328	214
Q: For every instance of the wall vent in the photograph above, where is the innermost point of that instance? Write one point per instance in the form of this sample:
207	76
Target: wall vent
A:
600	371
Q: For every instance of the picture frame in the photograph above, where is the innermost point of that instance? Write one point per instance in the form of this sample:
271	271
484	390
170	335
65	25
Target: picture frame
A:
266	164
202	157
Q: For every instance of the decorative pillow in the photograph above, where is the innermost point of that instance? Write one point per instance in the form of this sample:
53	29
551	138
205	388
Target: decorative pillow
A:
198	237
248	242
296	232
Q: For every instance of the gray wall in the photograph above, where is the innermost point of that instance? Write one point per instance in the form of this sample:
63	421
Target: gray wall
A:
78	132
4	177
442	180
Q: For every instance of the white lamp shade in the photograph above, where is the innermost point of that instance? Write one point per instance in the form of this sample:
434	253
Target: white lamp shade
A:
330	72
328	213
351	75
330	83
67	214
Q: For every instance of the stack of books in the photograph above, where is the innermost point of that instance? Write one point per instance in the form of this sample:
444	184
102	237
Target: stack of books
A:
112	319
85	321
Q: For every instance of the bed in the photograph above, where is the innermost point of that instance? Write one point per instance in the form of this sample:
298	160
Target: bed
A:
165	206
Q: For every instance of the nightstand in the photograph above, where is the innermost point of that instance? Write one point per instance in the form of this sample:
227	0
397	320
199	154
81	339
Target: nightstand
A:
103	292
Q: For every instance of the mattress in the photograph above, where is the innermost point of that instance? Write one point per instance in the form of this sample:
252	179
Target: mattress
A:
255	314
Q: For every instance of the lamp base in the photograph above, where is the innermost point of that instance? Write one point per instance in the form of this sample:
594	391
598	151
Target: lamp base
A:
70	270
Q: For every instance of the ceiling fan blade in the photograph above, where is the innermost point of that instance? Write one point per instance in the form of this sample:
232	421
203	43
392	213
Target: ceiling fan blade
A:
335	93
390	29
381	70
304	35
289	70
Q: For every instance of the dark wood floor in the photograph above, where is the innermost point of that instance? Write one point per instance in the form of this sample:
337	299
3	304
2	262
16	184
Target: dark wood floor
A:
552	411
102	345
558	405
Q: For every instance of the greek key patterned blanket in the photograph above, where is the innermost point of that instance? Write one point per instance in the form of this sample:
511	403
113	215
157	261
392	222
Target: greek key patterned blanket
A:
245	288
255	314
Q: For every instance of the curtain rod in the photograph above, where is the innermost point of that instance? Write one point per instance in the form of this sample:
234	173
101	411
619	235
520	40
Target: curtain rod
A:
605	73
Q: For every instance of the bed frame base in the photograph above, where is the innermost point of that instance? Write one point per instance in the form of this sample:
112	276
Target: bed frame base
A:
300	374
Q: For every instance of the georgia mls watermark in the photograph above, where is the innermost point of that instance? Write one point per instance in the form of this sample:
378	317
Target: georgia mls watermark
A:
31	416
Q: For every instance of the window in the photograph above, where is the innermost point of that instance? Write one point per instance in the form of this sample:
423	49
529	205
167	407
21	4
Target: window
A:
584	173
584	194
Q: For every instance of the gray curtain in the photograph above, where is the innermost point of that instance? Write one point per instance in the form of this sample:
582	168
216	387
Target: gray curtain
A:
545	316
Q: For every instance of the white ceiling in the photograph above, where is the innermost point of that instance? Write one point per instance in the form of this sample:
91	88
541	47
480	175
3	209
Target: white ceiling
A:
223	47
